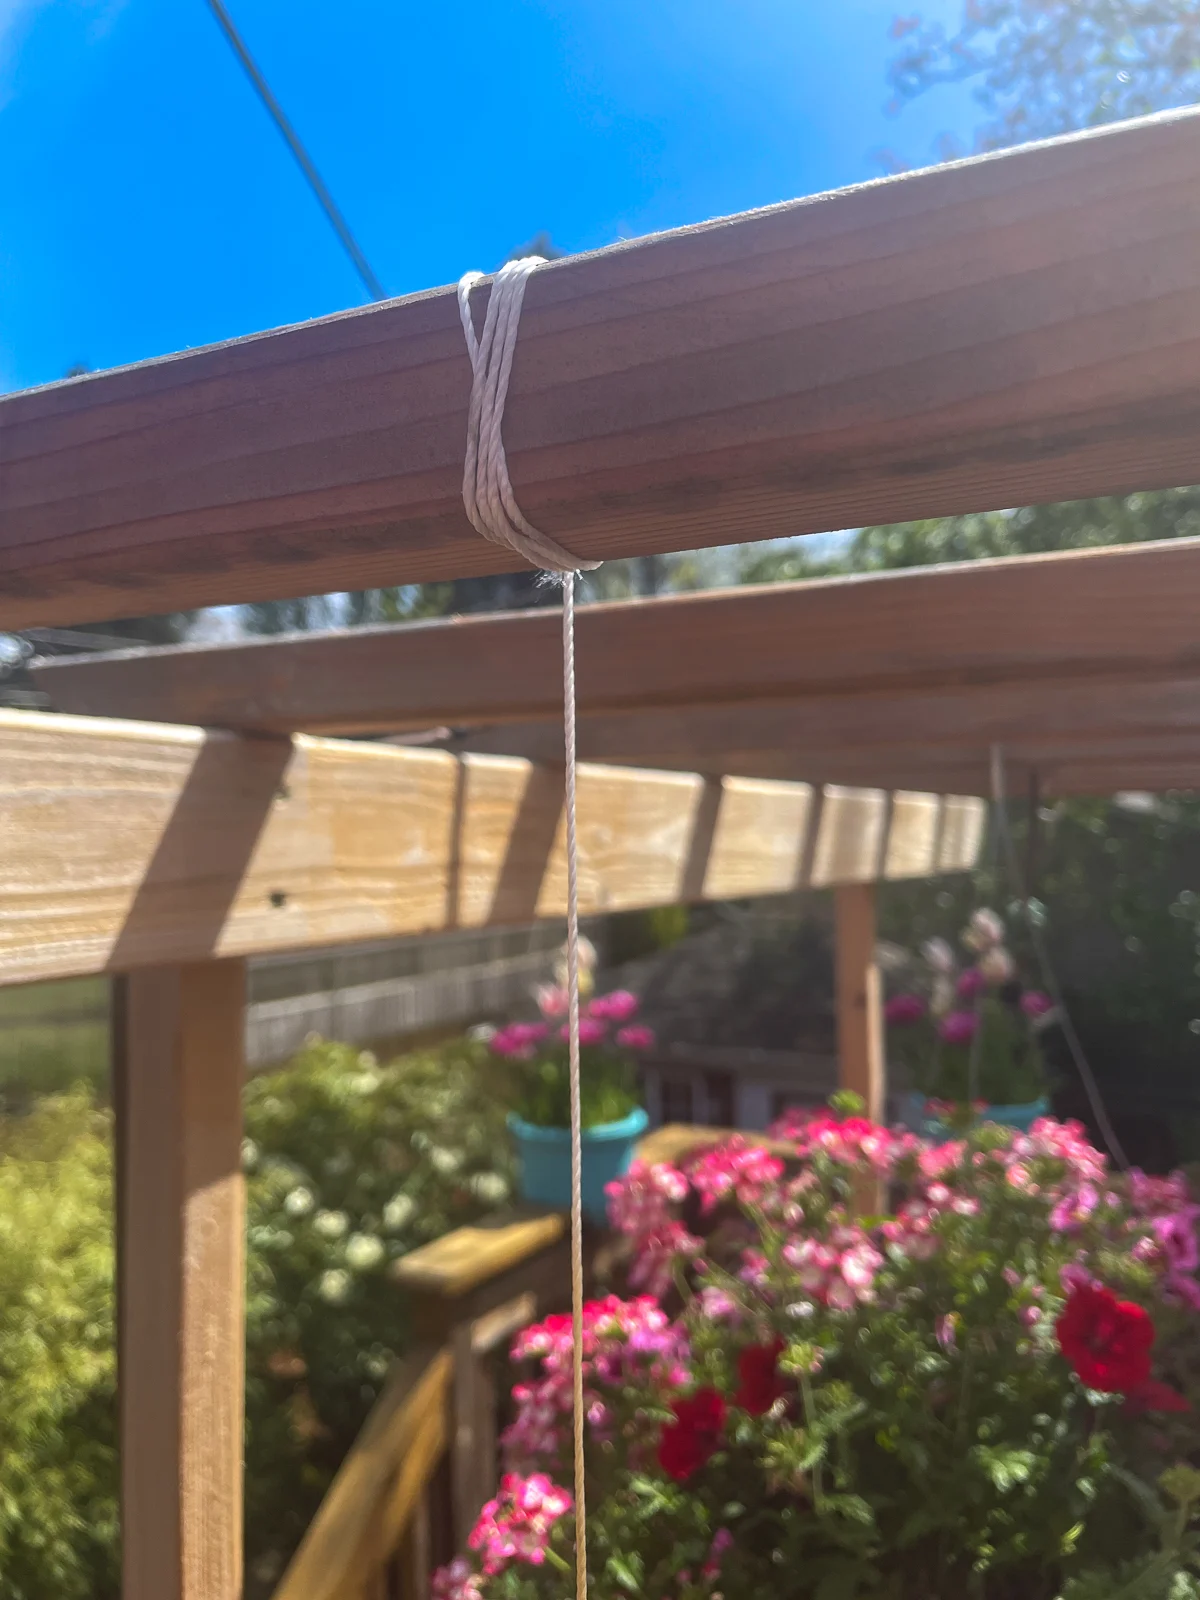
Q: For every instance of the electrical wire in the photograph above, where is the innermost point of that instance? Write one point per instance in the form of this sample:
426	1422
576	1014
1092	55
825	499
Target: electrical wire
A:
316	183
1049	979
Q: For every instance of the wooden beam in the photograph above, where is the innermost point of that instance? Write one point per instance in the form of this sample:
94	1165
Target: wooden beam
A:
380	1487
1019	328
859	1001
1083	623
129	845
181	1296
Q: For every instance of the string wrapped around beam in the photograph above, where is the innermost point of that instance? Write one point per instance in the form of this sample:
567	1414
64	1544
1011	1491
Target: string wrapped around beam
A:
492	507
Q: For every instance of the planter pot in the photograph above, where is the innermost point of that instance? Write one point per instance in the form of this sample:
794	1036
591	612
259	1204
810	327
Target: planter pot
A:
545	1160
1021	1117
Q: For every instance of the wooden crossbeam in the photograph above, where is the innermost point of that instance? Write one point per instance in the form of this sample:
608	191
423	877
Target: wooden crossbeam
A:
1019	328
869	656
129	845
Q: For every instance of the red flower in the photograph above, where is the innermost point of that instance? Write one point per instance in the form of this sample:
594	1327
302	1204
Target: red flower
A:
761	1384
1106	1340
687	1443
1155	1396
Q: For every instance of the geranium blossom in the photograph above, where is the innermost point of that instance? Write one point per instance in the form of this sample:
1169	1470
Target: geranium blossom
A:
688	1441
1015	1283
1106	1340
516	1525
624	1341
734	1168
618	1006
760	1381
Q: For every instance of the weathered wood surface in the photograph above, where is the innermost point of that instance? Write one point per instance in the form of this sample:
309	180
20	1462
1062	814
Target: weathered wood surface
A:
452	1266
129	845
1019	328
861	1066
380	1486
181	1273
1028	646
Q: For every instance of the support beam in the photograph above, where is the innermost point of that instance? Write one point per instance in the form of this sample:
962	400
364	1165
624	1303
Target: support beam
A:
859	1002
825	664
1019	328
129	845
181	1279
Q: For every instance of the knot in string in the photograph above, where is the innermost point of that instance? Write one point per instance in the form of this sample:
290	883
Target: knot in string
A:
487	490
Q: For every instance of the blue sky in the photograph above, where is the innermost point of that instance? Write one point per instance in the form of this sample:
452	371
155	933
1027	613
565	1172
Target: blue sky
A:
148	205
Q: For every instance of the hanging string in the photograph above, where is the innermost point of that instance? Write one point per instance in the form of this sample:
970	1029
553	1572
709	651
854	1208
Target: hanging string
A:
492	507
1042	952
576	1114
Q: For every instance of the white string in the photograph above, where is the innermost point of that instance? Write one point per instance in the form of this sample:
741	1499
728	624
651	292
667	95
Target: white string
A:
493	510
573	1051
487	490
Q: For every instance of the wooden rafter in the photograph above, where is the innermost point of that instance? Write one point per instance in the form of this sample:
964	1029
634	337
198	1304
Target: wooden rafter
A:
1084	666
1019	328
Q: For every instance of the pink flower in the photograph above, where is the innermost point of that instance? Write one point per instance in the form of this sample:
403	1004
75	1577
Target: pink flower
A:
722	1541
591	1032
959	1027
518	1041
626	1344
734	1168
516	1525
618	1006
1036	1004
1177	1235
970	983
946	1330
903	1010
551	999
635	1038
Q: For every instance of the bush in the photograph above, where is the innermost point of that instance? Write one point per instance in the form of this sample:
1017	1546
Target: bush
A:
986	1393
350	1165
58	1468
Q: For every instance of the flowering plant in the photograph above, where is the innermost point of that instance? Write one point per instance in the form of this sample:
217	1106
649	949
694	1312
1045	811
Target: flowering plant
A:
968	1030
610	1040
985	1392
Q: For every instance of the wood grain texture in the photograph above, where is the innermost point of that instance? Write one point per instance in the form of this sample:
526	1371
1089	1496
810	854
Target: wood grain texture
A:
379	1487
460	1261
181	1320
129	845
1019	328
820	665
861	1065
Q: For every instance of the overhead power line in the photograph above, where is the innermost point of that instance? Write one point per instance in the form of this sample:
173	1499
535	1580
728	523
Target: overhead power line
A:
361	265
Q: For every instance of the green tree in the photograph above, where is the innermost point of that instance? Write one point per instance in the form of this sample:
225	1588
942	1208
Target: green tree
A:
1043	67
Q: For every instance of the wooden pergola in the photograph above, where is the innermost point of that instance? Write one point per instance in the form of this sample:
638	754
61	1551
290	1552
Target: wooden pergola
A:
1020	328
1083	666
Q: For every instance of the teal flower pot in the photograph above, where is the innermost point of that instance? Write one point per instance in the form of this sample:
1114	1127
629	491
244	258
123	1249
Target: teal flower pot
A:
544	1155
1020	1117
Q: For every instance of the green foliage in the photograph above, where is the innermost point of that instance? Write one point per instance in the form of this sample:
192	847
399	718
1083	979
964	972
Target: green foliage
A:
607	1087
58	1473
350	1165
1042	67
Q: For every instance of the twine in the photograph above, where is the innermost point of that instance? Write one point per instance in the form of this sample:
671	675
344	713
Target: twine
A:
492	507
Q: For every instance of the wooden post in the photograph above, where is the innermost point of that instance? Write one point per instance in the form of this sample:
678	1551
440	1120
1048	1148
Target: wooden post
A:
178	1072
859	1003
